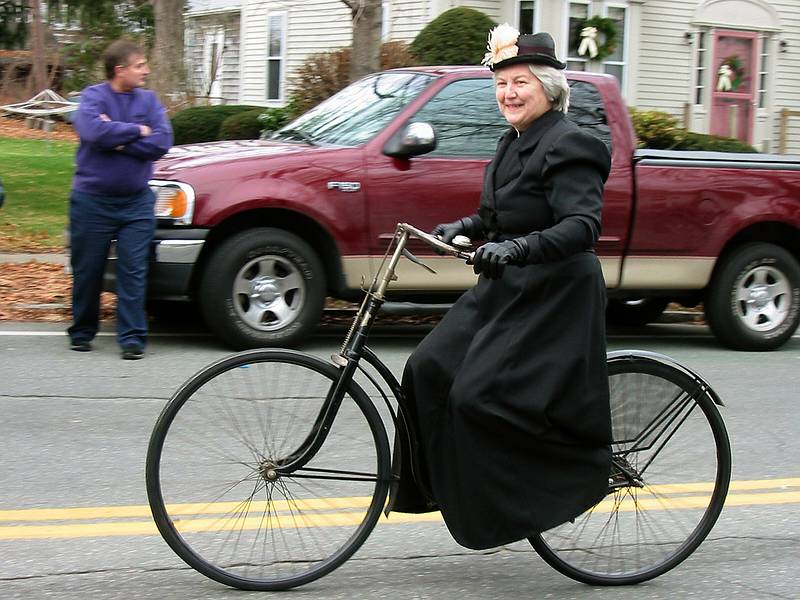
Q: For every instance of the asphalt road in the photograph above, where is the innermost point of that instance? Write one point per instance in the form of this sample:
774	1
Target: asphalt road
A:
75	428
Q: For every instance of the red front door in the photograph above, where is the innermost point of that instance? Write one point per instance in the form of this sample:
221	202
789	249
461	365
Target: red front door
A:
734	84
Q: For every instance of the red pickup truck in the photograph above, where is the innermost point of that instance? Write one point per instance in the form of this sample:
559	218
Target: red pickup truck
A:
258	233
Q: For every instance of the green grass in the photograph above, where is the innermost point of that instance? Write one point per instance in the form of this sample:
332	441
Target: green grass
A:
37	175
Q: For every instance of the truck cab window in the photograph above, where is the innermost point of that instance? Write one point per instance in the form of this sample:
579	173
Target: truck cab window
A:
587	111
465	117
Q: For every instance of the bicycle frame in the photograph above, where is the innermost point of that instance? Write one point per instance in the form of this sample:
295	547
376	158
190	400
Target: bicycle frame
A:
354	347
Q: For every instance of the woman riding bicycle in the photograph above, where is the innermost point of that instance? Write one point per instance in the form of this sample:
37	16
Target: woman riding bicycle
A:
509	393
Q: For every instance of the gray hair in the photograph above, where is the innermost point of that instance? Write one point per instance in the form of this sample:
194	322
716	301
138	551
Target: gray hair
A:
555	85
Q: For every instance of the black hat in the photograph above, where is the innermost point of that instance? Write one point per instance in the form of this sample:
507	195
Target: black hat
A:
535	48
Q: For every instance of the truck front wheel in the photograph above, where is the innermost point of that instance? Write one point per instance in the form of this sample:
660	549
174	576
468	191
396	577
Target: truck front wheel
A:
753	301
262	287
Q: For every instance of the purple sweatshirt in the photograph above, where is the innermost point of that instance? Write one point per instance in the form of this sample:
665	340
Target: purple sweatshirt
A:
113	158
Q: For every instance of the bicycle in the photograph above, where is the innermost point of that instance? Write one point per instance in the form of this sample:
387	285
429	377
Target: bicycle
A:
287	466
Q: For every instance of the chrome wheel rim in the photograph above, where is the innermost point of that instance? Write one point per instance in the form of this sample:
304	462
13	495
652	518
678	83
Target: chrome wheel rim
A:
268	293
762	298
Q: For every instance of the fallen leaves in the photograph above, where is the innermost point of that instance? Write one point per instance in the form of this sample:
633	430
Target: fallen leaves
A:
15	127
37	291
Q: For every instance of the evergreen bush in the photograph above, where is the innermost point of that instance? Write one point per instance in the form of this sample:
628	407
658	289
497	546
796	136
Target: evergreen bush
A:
660	131
242	126
273	119
456	37
202	123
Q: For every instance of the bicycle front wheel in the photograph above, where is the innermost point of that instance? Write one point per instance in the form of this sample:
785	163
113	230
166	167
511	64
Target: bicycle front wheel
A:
212	462
670	475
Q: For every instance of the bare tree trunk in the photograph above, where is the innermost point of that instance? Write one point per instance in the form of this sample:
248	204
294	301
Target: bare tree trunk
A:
38	78
367	17
168	74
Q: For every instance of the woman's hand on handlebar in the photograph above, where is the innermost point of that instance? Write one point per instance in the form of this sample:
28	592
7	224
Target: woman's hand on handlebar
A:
447	231
491	258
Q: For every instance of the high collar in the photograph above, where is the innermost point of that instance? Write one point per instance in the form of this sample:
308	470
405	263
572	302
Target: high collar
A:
531	136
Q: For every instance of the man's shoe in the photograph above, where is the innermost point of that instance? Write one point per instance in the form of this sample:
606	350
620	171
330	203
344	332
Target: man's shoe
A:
132	353
82	346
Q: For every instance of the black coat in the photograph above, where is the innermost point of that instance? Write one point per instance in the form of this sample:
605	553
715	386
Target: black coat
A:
509	393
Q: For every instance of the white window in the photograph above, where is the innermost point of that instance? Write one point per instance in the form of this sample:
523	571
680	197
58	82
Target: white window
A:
276	50
702	66
386	21
527	17
213	48
578	12
763	63
614	64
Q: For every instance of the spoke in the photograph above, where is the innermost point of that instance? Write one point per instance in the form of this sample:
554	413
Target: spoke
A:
255	314
780	288
281	310
293	281
266	267
752	317
241	287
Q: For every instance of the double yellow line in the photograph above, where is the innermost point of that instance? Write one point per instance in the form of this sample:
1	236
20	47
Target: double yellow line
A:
47	523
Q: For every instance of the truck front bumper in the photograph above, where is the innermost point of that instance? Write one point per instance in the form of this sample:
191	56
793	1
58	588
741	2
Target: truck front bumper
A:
172	261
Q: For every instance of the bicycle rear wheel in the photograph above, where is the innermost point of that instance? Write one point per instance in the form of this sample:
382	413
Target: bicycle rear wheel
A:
670	475
211	467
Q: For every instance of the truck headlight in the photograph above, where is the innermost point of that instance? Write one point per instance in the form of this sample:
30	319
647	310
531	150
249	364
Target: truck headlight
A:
174	201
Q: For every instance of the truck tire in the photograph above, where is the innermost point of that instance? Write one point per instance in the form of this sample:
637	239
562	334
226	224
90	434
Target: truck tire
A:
753	301
262	287
634	312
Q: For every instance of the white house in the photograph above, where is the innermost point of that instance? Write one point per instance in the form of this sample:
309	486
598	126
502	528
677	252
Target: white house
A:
729	67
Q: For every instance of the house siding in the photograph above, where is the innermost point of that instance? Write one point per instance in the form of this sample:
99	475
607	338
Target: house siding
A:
311	26
786	86
197	28
664	58
408	17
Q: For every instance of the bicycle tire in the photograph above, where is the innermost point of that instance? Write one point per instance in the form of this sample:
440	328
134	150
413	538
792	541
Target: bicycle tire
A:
219	435
669	431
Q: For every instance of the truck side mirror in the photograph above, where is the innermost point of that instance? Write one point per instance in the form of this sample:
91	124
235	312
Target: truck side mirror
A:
412	140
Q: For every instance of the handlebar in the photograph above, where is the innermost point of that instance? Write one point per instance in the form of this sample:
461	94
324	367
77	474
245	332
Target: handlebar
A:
435	242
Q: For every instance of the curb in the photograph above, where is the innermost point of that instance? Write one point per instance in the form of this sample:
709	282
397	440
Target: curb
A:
55	258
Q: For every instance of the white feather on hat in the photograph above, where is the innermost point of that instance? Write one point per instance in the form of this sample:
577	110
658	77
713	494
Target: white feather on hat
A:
502	44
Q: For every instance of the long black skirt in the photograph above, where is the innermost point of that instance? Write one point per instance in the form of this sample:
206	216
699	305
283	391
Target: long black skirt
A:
509	397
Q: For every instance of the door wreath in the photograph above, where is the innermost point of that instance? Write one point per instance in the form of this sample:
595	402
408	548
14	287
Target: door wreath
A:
730	75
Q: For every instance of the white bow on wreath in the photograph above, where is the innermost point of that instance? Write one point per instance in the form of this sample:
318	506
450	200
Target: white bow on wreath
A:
724	83
588	42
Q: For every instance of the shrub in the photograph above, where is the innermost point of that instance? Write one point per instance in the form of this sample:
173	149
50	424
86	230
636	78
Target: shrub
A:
242	126
655	129
273	119
456	37
660	131
713	143
325	73
202	123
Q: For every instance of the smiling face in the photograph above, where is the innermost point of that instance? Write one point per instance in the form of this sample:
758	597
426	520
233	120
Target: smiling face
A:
520	96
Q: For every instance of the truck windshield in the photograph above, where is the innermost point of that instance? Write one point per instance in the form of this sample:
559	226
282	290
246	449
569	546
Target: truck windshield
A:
358	112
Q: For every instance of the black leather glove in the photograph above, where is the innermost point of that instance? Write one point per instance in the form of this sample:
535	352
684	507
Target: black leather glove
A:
447	231
491	258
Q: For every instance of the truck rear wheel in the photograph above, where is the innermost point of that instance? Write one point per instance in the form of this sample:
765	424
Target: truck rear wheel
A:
753	301
262	287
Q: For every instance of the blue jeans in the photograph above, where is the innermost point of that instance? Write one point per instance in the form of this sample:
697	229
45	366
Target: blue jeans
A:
94	221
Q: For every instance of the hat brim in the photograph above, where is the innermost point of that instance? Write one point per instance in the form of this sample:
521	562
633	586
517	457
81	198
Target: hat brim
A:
535	59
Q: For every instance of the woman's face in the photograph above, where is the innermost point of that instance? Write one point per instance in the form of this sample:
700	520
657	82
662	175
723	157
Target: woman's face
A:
520	96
